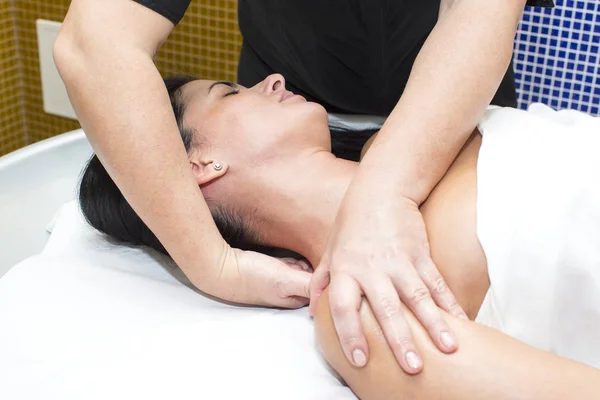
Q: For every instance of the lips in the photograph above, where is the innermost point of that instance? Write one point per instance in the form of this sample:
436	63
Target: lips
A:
286	95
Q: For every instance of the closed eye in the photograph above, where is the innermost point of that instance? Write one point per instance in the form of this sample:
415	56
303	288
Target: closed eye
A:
232	92
232	85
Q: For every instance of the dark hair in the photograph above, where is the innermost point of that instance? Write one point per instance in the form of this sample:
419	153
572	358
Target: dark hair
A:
105	208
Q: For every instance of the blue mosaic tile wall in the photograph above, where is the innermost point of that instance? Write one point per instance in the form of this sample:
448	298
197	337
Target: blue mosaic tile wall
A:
557	56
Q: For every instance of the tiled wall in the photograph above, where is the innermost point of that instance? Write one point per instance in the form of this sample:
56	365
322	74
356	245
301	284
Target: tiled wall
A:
207	41
38	124
11	108
557	56
206	44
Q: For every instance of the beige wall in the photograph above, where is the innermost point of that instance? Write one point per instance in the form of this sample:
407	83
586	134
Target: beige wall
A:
206	44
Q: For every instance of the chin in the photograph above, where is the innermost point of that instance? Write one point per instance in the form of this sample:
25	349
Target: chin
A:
311	119
318	110
320	125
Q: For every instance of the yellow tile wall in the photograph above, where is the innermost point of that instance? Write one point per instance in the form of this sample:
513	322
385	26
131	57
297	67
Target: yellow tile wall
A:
12	134
206	44
38	124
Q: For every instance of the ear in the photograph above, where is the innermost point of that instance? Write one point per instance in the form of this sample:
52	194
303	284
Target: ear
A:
204	170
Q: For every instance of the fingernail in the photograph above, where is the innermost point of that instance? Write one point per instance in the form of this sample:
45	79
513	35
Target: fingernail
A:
447	340
413	360
359	358
459	313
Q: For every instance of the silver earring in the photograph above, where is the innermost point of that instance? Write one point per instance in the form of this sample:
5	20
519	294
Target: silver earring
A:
217	166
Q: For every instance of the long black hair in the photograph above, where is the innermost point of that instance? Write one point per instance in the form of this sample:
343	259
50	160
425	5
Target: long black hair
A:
106	209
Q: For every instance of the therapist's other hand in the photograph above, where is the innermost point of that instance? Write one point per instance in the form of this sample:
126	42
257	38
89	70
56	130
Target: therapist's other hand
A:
378	248
255	278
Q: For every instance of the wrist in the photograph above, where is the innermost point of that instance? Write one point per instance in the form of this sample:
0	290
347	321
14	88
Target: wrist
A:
212	273
388	182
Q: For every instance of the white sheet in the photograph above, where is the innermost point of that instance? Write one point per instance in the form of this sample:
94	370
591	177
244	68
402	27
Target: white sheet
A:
90	320
539	224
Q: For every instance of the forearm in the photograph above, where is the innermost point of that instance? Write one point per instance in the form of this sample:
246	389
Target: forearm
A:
123	106
488	365
454	78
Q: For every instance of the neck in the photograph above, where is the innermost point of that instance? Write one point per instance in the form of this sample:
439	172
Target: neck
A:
297	214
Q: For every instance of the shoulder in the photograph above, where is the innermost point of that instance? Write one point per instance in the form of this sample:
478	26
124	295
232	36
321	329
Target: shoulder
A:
450	215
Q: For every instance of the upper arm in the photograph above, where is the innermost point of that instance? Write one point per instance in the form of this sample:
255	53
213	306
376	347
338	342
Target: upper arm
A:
108	27
382	377
485	361
446	5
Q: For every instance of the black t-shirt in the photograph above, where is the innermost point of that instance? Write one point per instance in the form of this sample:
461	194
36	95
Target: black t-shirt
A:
352	56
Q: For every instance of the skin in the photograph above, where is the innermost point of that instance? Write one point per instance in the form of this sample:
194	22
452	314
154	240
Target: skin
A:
283	179
452	80
489	365
295	138
104	55
263	135
487	358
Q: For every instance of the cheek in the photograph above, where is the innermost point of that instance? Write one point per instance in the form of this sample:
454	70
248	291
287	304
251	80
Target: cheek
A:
244	138
259	124
295	126
251	131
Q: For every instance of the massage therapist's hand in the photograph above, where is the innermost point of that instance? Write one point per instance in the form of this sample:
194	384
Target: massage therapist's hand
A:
378	248
255	278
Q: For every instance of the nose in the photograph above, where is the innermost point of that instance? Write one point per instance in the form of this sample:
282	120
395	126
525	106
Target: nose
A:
273	83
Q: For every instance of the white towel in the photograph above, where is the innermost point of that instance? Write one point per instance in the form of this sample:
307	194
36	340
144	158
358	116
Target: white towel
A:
539	224
90	320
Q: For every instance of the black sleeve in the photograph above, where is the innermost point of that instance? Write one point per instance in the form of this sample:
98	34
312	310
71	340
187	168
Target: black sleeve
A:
173	10
540	3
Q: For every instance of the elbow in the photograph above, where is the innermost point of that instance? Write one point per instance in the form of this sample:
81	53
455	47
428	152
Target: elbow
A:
60	52
77	50
67	54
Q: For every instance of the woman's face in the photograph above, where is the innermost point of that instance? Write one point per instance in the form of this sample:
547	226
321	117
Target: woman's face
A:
247	127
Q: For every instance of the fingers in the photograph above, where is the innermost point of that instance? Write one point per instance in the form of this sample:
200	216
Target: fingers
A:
389	312
320	281
417	296
294	302
344	301
295	287
300	265
292	284
441	293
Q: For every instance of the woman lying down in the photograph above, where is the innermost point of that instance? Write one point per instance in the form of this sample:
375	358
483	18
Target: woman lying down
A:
514	227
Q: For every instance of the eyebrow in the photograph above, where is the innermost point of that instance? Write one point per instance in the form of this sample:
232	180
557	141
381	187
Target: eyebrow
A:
226	83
